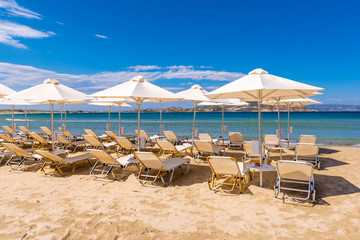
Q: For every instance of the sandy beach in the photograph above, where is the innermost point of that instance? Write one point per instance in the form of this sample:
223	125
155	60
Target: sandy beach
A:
35	206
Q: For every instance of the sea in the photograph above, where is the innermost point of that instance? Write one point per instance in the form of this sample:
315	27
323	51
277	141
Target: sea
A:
340	128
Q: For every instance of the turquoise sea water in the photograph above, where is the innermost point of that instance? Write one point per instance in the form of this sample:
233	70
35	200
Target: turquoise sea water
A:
330	127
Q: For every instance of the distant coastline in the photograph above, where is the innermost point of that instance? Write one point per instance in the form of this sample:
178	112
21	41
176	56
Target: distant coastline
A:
251	108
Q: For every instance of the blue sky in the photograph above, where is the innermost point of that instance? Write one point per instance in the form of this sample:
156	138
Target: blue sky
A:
91	45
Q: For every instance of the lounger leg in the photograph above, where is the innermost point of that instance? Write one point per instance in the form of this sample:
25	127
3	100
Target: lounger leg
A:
171	177
8	161
93	168
123	174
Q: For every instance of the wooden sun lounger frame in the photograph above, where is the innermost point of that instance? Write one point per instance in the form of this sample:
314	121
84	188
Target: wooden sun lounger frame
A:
211	153
160	173
172	149
106	166
126	146
238	144
60	162
313	159
311	192
238	179
67	142
95	143
171	137
42	142
21	154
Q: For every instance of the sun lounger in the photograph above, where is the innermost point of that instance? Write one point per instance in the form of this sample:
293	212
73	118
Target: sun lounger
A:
308	153
307	139
67	143
169	147
236	140
250	156
59	162
271	140
19	155
10	130
228	168
205	148
40	142
149	140
125	145
70	136
297	174
8	139
150	162
207	137
47	131
92	133
171	137
25	130
106	163
96	144
111	135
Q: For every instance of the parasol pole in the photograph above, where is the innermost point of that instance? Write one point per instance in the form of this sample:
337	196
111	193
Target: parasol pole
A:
193	131
222	123
138	133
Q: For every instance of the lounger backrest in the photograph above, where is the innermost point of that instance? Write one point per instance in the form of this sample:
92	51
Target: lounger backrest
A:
111	134
90	132
124	142
9	129
235	137
143	133
25	130
170	136
205	137
166	146
6	138
37	137
300	171
271	140
16	149
306	150
46	130
67	133
223	165
92	140
102	156
49	155
310	139
63	140
149	160
204	146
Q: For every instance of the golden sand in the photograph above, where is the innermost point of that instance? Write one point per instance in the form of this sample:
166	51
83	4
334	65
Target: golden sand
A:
34	206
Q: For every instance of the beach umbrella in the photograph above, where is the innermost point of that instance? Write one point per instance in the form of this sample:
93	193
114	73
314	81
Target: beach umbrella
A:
293	103
139	90
277	102
50	92
4	90
15	102
260	86
223	103
111	102
195	94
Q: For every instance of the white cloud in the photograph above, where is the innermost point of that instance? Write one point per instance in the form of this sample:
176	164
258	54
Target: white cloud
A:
21	76
11	30
101	36
144	68
180	67
14	9
174	88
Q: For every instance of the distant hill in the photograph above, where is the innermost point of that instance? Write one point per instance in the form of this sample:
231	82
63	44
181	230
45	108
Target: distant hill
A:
335	108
